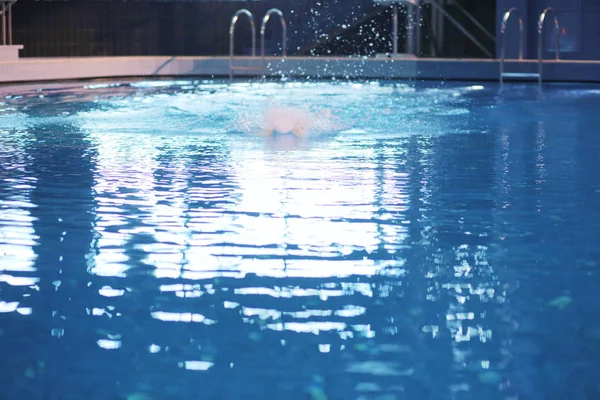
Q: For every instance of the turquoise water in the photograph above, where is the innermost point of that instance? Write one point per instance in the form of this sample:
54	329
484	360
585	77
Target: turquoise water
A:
425	241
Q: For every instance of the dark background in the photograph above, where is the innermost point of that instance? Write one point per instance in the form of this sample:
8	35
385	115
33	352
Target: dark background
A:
71	28
194	28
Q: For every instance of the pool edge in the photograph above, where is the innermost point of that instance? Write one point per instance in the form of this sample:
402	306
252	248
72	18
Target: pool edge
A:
84	68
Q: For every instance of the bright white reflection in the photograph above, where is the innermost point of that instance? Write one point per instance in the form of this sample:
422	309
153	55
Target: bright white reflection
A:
281	200
18	280
289	292
196	365
107	291
6	307
324	348
109	344
308	200
308	327
190	208
25	310
182	317
154	348
17	235
123	187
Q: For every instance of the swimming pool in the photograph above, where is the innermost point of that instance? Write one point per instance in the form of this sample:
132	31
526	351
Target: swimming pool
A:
426	241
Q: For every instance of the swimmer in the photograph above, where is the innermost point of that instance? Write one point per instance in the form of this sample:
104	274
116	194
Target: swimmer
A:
279	120
287	120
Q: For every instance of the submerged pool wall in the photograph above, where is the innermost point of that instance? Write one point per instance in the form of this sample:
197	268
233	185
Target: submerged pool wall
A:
578	19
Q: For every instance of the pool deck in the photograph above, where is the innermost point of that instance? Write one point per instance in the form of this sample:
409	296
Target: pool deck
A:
57	69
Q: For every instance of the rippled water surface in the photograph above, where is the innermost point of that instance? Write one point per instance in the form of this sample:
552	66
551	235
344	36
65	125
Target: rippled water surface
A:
425	241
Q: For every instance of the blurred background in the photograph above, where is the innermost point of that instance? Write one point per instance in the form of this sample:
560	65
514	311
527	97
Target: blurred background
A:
71	28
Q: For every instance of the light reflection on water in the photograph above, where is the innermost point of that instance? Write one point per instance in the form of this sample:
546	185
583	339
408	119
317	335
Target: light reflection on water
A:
141	231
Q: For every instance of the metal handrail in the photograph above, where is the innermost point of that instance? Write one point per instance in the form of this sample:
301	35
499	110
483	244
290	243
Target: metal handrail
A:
461	28
540	30
440	7
394	5
473	19
234	21
505	19
263	27
5	11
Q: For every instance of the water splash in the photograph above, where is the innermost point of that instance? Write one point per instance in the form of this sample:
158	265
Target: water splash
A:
274	117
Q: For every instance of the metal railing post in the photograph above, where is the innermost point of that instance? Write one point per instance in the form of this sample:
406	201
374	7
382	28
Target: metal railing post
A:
540	29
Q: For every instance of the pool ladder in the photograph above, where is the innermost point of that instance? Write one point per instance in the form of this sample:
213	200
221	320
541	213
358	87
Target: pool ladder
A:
540	30
263	25
6	17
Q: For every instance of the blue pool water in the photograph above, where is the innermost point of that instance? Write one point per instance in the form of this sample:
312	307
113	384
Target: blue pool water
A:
427	241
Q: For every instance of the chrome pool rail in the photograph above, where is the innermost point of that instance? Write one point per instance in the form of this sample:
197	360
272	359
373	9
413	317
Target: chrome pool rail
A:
265	20
394	4
234	21
6	14
263	27
540	52
540	29
460	27
505	18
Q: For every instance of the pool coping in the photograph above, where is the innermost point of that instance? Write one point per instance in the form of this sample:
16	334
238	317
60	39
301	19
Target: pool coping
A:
80	68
